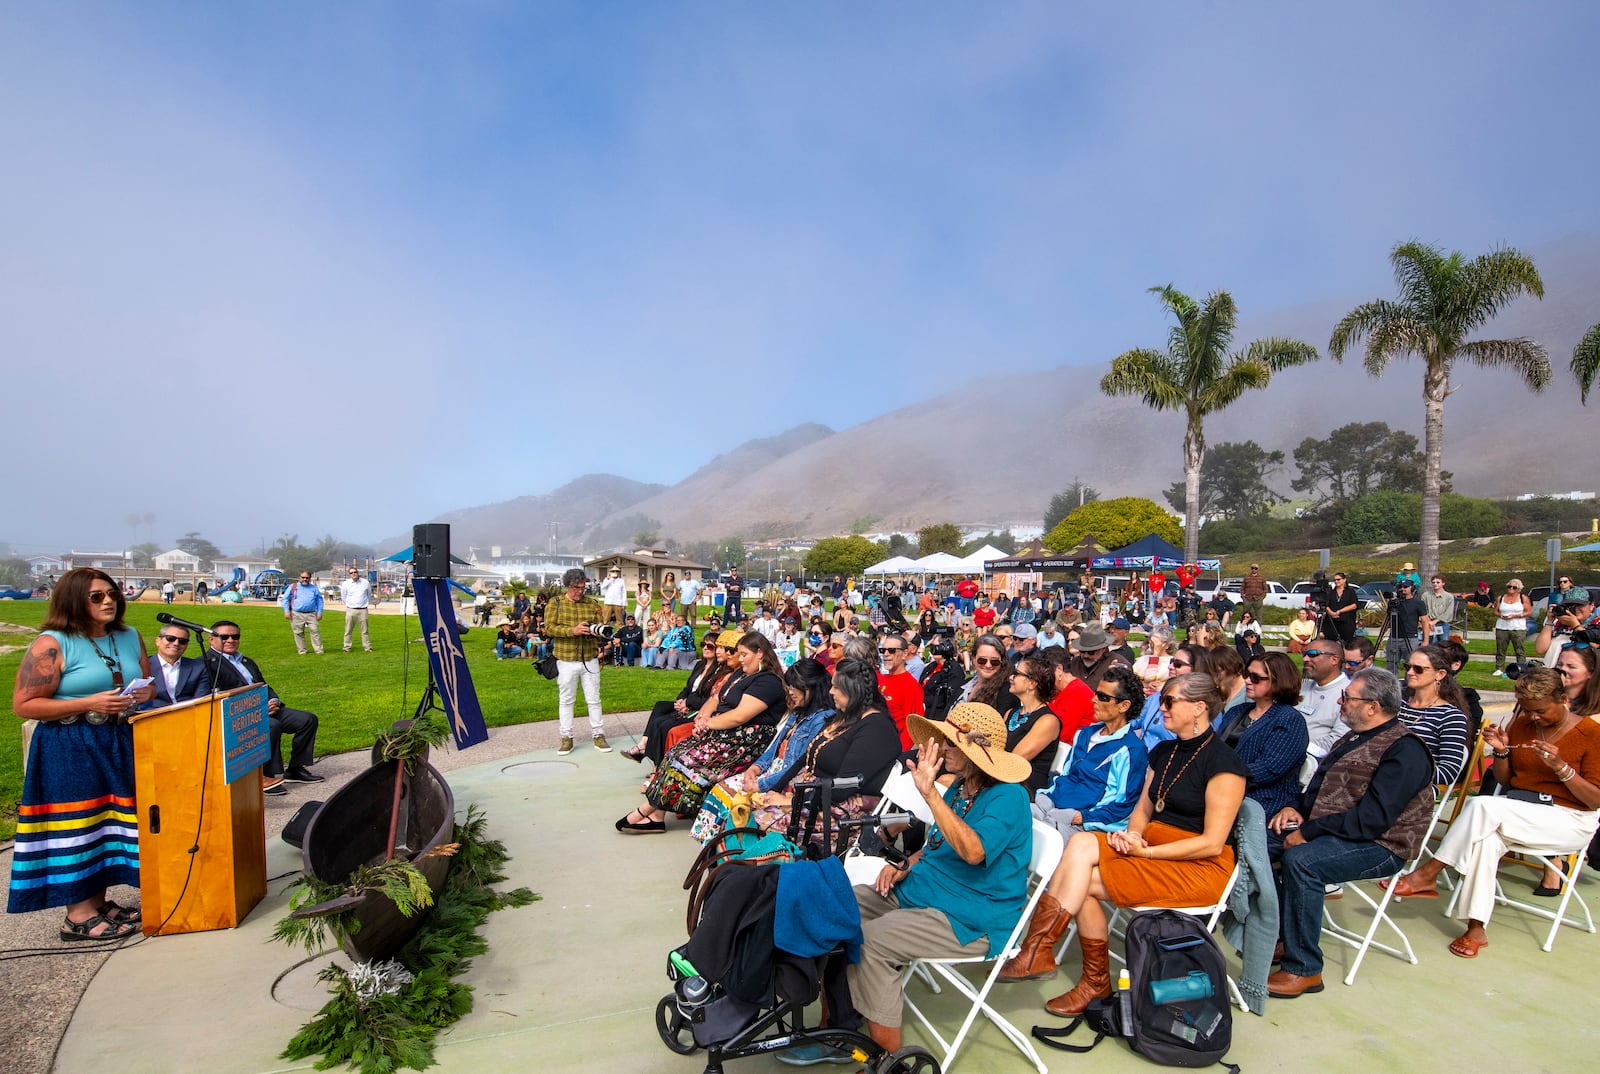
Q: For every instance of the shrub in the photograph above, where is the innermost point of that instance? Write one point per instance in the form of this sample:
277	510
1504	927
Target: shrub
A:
1114	523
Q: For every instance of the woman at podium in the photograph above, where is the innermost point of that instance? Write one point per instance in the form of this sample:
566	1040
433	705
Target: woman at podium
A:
77	832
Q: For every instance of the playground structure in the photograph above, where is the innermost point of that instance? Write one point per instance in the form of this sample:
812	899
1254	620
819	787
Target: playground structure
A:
145	584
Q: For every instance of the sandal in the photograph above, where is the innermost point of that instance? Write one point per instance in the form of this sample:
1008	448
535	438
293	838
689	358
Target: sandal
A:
1466	947
120	915
84	930
628	826
1403	890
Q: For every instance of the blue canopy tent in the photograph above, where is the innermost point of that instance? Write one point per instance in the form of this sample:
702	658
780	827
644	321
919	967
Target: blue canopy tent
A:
1147	553
1592	546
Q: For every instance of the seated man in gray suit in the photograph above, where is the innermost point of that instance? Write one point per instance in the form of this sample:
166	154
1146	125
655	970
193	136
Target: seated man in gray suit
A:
233	671
177	677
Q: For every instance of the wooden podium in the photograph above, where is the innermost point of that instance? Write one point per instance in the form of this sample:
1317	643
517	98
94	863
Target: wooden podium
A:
180	791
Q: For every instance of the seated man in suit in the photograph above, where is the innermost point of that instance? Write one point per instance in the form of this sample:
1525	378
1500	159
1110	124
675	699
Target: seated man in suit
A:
177	677
234	671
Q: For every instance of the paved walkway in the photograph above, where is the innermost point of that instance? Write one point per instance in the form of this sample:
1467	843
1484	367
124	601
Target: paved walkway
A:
570	983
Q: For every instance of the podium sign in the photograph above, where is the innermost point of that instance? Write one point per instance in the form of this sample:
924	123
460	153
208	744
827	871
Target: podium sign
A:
246	741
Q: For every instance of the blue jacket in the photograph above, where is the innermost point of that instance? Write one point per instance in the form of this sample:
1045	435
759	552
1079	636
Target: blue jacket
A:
799	733
1103	782
1149	725
1273	749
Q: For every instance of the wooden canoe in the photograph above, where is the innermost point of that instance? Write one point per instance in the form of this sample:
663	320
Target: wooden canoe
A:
352	829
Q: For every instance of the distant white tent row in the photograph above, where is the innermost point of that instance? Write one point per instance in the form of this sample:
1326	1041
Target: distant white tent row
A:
937	563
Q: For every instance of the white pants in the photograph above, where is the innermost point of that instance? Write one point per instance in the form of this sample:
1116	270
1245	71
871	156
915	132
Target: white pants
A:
1480	836
568	674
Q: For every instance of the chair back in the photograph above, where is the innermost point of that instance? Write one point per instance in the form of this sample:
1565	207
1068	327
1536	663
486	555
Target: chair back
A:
900	789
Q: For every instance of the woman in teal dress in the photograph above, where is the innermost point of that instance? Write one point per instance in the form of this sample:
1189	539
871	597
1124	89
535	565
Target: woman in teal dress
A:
77	831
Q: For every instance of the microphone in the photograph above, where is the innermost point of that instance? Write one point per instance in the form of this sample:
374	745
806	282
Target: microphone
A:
172	620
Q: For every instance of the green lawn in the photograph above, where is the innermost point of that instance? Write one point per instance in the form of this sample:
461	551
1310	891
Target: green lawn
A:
356	695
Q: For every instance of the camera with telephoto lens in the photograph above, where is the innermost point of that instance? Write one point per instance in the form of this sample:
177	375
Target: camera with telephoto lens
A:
601	632
942	647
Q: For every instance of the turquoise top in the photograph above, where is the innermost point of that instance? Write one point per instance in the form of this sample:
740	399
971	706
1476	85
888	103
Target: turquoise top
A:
984	899
83	672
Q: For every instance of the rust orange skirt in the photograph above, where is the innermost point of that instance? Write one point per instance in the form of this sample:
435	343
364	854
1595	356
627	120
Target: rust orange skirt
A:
1147	882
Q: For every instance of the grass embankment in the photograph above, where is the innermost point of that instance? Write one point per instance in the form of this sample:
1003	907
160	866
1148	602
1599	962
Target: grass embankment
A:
356	695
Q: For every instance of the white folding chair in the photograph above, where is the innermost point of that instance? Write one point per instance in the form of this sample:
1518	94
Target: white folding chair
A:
1061	758
1566	866
1047	846
899	794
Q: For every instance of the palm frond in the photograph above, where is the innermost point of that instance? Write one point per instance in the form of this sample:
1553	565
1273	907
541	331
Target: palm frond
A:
1419	272
1487	285
1182	306
1524	357
1279	354
1397	338
1586	361
1148	374
1243	373
1361	322
1209	338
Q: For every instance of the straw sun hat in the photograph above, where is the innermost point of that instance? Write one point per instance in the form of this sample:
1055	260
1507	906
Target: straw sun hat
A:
978	731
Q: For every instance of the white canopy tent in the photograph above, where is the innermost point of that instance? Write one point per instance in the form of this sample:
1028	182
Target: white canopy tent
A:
941	563
973	564
893	565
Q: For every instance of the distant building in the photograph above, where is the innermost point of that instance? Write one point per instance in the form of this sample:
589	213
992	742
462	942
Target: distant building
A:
106	561
1557	496
645	563
177	560
45	564
534	567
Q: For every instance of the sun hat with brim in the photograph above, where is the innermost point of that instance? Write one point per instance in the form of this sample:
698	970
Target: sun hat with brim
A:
978	731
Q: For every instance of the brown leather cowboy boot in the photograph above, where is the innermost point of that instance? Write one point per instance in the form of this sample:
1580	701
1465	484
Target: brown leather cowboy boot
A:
1036	961
1095	980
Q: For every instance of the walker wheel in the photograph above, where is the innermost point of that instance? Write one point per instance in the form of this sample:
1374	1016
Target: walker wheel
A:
676	1031
908	1060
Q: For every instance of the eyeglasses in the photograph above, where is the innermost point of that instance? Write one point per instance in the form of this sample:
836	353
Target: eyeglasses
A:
988	661
1418	669
226	637
174	639
1252	677
1347	696
100	596
1110	699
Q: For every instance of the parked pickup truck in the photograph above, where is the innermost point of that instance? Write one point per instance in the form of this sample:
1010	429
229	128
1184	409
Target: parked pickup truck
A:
1277	595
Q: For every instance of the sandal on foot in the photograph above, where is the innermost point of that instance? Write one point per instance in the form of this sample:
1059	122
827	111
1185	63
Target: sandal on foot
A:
120	915
84	930
628	826
1466	947
1403	890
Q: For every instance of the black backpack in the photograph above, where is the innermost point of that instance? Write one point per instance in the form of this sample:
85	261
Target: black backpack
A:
1177	1011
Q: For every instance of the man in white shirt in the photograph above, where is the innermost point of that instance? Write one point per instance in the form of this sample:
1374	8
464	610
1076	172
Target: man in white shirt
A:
356	592
1324	681
688	595
1050	636
614	597
767	625
178	677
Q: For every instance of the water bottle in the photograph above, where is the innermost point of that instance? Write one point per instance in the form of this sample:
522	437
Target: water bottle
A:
1196	984
1125	1001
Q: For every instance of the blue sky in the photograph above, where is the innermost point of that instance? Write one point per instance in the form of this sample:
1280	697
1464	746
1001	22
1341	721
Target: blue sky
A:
310	268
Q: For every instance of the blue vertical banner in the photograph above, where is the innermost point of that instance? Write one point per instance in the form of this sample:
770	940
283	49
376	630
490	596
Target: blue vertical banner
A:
449	663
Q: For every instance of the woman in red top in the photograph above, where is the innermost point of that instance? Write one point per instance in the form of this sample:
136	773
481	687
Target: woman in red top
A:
983	616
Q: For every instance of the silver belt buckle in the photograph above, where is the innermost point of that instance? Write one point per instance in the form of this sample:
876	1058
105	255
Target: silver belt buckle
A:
68	720
97	718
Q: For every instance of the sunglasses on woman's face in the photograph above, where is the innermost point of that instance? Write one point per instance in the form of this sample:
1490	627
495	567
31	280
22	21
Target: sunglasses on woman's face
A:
988	661
1252	677
100	596
1176	663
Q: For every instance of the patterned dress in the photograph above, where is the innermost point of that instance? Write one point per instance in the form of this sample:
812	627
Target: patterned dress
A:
77	830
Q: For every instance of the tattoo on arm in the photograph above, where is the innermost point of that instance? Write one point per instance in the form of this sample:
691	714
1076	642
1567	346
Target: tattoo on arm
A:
40	672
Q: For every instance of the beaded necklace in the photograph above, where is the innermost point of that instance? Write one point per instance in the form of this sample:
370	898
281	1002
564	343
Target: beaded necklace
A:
1162	791
960	807
113	662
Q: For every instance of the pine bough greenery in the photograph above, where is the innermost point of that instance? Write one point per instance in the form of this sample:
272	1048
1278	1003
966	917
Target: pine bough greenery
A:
391	1031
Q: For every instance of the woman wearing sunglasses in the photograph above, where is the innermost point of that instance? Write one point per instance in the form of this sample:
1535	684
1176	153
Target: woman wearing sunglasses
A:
991	675
1174	852
1033	730
1549	760
1435	707
1268	732
74	681
704	678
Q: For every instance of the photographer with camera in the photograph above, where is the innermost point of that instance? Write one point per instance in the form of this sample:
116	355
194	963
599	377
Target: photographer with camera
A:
1573	620
572	624
942	675
1407	620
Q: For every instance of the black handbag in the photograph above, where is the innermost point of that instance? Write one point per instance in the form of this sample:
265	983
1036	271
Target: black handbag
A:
546	666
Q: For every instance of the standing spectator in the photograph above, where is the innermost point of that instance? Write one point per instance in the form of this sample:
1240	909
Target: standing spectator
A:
1342	609
302	606
1253	590
1408	622
480	607
733	612
1512	625
202	592
786	587
642	599
967	590
614	597
1441	606
356	592
689	596
234	670
567	621
669	596
1156	586
1408	573
168	591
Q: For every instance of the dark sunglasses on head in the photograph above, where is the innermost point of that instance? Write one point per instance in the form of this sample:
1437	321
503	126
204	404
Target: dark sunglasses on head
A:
100	596
175	639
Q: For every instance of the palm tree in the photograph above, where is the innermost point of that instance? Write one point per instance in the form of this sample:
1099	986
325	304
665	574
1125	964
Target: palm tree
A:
1586	361
1442	299
1195	376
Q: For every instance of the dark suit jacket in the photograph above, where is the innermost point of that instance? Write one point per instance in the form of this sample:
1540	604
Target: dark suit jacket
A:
228	677
193	681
